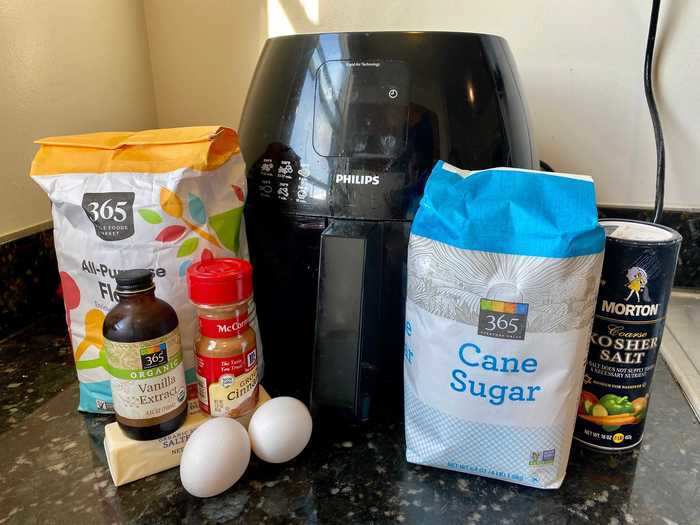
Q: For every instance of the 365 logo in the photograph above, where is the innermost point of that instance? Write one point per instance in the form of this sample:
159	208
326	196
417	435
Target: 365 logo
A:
112	214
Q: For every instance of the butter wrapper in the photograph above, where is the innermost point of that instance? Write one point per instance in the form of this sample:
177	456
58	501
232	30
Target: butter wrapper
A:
130	460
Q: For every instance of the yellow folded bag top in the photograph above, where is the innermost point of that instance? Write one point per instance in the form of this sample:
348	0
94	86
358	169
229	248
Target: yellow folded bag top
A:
201	148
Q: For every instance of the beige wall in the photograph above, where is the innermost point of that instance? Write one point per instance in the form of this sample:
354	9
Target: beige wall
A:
581	65
68	66
203	54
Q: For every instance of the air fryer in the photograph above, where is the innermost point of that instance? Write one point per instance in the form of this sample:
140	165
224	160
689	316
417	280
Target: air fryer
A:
339	134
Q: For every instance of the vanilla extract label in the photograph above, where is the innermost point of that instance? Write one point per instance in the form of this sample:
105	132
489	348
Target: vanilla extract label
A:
147	376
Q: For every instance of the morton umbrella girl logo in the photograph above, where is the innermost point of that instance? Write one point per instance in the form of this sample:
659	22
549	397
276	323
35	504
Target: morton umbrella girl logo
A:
636	281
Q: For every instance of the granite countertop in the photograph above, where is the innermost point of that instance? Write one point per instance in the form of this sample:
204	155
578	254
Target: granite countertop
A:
54	468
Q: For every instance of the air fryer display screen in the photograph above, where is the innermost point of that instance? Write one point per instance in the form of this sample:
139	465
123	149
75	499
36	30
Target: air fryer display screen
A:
361	109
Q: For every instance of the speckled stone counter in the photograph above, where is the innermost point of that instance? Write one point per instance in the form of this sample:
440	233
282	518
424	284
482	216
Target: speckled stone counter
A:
53	468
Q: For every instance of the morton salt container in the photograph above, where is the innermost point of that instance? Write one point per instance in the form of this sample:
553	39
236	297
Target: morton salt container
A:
638	269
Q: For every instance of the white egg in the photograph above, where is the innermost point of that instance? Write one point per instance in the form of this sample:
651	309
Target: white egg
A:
280	429
215	457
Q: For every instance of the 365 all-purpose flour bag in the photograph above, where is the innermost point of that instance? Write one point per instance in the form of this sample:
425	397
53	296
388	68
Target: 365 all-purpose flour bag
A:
158	199
503	271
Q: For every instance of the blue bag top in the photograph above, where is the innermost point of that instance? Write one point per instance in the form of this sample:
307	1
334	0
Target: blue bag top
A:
510	210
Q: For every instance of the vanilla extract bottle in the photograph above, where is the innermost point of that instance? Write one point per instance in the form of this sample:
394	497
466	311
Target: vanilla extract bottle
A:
144	358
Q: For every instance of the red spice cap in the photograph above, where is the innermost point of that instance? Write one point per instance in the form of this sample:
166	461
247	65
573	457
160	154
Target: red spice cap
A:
220	281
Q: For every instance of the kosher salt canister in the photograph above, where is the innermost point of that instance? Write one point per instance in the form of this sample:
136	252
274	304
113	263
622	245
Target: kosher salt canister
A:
635	287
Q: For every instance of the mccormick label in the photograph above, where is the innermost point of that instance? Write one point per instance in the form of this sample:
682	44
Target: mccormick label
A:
223	328
227	386
640	261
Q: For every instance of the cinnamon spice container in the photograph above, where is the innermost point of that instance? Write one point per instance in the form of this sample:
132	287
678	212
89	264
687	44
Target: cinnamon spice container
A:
225	348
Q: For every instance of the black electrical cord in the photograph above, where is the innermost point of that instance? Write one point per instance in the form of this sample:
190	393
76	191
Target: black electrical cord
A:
654	112
545	167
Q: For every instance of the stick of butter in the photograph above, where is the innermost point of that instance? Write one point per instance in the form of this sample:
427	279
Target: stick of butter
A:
130	460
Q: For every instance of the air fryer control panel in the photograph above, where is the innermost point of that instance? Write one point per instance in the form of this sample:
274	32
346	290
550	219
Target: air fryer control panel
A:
361	108
357	136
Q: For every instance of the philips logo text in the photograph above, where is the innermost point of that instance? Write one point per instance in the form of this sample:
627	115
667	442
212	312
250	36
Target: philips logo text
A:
357	179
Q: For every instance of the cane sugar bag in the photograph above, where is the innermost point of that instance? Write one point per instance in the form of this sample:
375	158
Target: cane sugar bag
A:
503	271
158	199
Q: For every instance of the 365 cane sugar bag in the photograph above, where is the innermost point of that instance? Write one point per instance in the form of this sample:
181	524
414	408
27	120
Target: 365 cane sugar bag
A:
158	199
503	271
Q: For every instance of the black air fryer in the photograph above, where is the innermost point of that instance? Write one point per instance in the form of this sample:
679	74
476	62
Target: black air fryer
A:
339	134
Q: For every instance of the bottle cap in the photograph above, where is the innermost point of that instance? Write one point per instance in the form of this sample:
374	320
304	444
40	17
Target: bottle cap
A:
220	281
131	281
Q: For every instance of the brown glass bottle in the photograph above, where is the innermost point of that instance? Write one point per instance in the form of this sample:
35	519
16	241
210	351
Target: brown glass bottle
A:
144	358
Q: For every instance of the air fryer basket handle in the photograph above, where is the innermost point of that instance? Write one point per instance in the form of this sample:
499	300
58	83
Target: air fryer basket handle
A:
347	318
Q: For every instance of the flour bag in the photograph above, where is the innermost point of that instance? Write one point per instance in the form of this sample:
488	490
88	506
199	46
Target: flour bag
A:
503	271
158	199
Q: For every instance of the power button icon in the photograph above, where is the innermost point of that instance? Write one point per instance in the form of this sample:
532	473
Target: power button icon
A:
393	93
